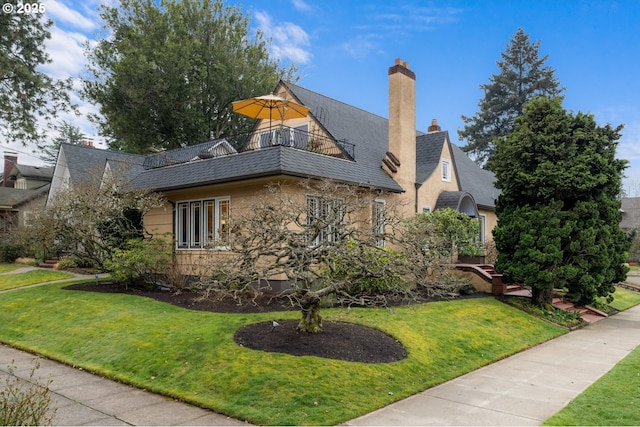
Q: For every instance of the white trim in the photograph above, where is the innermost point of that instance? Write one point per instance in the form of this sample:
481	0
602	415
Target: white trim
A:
426	209
445	170
482	219
197	216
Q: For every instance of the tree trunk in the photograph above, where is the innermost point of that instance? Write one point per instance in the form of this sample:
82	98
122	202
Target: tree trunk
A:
541	297
311	320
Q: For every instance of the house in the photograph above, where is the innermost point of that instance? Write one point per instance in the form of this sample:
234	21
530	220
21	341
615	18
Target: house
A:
630	209
82	163
23	192
337	141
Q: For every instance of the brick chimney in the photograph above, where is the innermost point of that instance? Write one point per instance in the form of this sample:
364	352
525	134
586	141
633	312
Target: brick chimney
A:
402	124
434	127
10	160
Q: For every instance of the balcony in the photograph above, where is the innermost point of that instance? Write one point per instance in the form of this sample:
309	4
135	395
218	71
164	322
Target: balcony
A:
301	140
277	136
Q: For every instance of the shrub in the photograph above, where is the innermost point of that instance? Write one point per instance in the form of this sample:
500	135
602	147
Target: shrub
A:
373	275
10	251
26	261
67	263
140	259
25	403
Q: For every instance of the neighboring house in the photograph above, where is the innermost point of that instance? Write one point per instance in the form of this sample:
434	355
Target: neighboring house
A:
23	192
202	183
82	163
630	213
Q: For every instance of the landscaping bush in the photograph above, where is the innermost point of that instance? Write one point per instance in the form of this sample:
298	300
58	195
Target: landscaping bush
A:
141	259
10	251
25	403
380	277
67	263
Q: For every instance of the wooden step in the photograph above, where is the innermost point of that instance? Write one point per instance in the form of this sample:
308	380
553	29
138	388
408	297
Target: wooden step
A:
49	263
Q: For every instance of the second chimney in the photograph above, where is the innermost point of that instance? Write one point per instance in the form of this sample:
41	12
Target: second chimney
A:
434	127
10	160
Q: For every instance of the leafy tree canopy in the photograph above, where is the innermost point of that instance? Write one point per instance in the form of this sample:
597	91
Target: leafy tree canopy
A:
522	76
559	211
168	72
28	96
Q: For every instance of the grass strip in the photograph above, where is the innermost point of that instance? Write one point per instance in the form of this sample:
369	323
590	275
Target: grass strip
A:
191	355
612	400
623	299
5	268
12	281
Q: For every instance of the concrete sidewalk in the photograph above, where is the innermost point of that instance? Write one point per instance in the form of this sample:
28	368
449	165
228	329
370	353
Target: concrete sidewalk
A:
81	398
524	389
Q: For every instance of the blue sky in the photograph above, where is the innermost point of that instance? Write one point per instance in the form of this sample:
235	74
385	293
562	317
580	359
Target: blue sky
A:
344	48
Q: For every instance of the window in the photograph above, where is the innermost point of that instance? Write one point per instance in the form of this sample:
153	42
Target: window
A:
426	209
446	170
482	221
202	224
324	219
27	218
378	221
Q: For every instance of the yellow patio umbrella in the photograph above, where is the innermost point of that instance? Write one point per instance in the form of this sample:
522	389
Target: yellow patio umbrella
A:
270	107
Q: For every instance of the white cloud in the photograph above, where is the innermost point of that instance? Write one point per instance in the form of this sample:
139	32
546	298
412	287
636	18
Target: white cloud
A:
62	14
289	41
361	46
67	53
301	6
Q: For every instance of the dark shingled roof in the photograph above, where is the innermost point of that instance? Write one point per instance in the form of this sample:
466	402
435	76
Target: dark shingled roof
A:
13	197
270	161
368	132
85	162
455	200
36	172
471	177
428	149
475	180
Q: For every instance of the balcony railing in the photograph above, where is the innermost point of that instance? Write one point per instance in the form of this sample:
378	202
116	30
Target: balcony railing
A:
301	140
277	136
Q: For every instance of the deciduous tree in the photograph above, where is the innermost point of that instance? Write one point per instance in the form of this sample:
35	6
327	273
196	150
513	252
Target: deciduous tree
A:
559	211
325	239
522	76
169	70
90	219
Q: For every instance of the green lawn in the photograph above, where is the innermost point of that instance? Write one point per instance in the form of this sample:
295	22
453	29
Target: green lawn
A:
11	281
612	400
191	355
5	268
623	299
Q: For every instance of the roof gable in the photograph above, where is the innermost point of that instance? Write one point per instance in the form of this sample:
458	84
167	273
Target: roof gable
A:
428	153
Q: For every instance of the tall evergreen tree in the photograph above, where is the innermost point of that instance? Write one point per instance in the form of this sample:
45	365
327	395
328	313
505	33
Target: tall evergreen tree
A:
559	211
522	76
67	133
168	73
27	95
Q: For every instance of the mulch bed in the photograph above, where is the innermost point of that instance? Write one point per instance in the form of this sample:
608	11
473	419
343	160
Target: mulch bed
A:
340	340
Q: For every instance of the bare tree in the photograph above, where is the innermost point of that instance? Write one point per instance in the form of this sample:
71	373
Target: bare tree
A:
90	218
324	238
